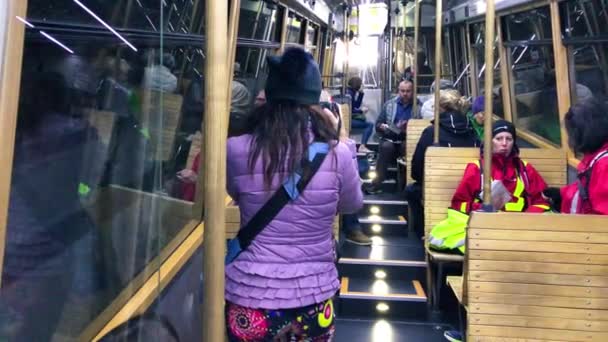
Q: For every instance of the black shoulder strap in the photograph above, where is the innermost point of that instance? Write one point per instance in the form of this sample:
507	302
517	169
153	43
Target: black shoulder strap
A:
276	203
584	188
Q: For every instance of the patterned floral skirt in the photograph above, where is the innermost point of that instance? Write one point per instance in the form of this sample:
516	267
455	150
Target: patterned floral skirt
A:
314	323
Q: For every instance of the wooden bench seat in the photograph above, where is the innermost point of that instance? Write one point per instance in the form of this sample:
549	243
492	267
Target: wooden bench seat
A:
444	168
413	133
456	284
537	277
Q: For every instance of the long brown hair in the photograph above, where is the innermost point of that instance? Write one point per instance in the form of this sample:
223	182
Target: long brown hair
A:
281	134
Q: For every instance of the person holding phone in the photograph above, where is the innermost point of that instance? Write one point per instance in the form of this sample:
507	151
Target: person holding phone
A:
281	287
391	126
350	222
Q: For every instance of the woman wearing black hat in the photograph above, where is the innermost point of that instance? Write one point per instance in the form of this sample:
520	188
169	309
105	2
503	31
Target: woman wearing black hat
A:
517	176
280	287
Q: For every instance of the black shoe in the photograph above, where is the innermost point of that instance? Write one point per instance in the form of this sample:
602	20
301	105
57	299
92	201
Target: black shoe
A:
372	189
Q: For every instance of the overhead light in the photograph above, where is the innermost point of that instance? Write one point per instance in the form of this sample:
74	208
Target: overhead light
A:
106	24
46	35
376	228
51	38
382	307
25	22
372	174
374	210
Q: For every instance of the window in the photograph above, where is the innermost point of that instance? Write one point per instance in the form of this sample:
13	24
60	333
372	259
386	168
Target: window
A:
478	31
108	121
585	18
258	20
294	27
312	32
150	15
587	41
532	69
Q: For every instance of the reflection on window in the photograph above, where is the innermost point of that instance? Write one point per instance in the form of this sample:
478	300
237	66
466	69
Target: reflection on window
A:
105	163
479	75
585	18
532	67
151	15
590	76
257	20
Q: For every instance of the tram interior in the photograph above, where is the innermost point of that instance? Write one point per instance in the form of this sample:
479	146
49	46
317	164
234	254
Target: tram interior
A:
109	140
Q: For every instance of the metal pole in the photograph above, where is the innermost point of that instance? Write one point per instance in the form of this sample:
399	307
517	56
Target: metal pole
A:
284	29
389	65
346	44
488	110
404	52
416	47
217	69
233	29
438	35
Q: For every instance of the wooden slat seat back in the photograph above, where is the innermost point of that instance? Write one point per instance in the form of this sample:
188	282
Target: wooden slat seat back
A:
346	116
537	277
413	133
444	168
161	115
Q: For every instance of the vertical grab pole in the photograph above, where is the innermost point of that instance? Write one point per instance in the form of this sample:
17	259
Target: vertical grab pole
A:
284	27
416	47
214	168
561	74
346	47
438	36
233	29
488	110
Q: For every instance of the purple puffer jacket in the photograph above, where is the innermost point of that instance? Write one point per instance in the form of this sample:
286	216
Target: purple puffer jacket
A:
290	264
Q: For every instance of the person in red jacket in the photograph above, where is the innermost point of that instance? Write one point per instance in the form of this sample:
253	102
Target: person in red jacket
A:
587	127
518	177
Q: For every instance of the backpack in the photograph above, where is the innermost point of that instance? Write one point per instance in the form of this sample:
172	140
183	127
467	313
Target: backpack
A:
582	192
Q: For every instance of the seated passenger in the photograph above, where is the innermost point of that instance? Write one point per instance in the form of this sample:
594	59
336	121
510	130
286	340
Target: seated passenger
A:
240	107
286	279
391	125
428	108
519	178
587	127
158	75
350	222
476	116
454	131
358	119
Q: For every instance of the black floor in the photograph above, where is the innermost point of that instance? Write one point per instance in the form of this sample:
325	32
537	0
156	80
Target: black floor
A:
354	330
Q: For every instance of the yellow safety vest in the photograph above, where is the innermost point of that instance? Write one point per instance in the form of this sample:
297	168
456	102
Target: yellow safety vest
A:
520	186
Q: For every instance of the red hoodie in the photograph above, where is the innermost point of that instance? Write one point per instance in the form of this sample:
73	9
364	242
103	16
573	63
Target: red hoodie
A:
466	198
597	187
